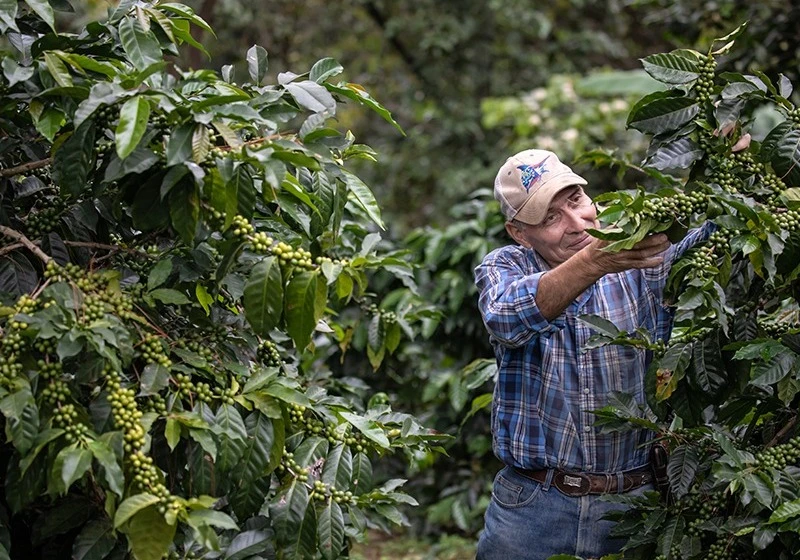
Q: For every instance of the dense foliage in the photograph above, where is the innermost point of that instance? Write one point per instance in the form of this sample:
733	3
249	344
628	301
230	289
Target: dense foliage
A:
185	260
723	390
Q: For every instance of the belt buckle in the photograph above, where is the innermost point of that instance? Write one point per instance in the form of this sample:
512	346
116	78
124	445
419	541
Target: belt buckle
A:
572	484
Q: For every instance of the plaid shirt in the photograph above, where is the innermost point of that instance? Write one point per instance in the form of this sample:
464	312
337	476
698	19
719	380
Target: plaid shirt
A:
547	386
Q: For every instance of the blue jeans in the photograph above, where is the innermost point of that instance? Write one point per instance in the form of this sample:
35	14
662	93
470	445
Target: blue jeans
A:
527	520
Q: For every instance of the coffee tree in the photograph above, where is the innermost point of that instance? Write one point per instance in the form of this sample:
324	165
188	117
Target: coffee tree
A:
183	254
723	390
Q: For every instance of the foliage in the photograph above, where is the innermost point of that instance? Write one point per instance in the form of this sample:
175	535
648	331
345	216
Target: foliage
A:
184	254
723	390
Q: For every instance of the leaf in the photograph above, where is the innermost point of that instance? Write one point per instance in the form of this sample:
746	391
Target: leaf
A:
55	65
111	469
8	15
657	114
257	64
201	143
141	47
75	158
786	511
359	94
24	428
671	68
184	210
179	144
131	506
683	463
305	301
600	324
133	117
288	509
362	196
149	534
766	373
247	544
70	465
256	456
263	296
169	296
671	535
330	530
367	427
338	468
312	96
304	541
326	68
159	273
679	154
231	437
95	541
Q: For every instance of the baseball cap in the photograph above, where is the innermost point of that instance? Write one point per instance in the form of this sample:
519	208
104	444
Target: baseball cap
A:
528	181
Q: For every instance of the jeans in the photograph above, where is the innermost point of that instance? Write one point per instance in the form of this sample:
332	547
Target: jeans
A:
527	520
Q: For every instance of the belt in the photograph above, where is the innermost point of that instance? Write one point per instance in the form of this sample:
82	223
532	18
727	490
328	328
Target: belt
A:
581	484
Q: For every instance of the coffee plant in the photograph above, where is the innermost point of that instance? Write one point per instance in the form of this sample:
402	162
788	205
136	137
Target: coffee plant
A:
723	390
184	259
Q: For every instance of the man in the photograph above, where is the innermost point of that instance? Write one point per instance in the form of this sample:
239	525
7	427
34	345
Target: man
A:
548	498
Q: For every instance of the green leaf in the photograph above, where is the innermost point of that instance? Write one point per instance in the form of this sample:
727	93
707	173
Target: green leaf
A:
247	545
141	47
131	506
149	534
671	535
172	433
305	301
55	65
184	210
169	296
111	469
288	509
312	96
133	117
95	541
359	94
256	457
766	373
231	437
367	427
683	463
263	296
75	158
179	145
330	530
326	68
42	439
785	157
257	64
201	143
70	465
362	196
304	541
159	273
8	15
338	468
24	428
600	324
657	113
679	154
786	511
671	68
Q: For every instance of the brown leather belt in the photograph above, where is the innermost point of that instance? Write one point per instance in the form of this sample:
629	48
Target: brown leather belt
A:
581	484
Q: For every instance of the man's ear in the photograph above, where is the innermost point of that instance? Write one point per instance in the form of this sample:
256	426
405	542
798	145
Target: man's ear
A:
516	234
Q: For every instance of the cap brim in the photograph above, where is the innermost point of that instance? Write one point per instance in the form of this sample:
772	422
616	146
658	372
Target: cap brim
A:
535	208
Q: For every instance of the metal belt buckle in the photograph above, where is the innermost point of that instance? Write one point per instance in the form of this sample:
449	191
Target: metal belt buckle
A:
572	484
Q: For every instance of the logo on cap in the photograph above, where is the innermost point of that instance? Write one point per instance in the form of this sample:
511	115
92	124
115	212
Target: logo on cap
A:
532	173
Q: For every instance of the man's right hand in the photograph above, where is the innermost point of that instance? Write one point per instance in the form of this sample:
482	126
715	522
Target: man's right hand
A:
645	254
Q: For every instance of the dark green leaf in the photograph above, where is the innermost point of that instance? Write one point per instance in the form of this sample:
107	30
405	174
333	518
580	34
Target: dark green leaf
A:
305	301
75	158
184	206
141	47
133	117
662	114
330	529
95	541
263	296
671	68
149	534
683	463
257	63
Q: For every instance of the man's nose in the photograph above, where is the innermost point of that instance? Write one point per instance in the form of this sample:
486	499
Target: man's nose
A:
574	218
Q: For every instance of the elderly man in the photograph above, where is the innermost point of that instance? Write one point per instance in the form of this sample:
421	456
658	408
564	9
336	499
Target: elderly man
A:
548	498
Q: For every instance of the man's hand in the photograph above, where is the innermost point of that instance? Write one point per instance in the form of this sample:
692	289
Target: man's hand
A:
645	254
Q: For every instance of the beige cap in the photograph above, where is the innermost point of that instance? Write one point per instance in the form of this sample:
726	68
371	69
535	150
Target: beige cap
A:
527	183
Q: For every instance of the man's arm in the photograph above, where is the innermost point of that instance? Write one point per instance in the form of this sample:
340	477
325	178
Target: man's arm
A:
561	285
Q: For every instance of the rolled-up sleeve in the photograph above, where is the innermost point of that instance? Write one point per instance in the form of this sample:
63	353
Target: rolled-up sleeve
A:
507	286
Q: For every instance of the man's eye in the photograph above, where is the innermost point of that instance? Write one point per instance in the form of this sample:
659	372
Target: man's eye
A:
550	218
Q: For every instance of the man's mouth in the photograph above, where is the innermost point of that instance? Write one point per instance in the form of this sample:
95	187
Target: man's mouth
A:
581	242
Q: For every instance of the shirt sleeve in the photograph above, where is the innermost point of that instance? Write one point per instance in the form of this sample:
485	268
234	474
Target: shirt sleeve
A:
507	289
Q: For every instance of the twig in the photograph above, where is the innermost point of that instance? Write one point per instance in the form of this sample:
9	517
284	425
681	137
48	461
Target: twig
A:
783	431
25	167
27	243
102	246
10	248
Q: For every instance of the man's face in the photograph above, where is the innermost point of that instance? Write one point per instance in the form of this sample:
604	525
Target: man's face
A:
562	233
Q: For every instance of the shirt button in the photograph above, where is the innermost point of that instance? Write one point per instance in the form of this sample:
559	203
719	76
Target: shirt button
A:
587	428
589	467
586	391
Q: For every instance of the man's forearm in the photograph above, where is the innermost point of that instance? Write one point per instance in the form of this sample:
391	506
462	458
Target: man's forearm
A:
561	285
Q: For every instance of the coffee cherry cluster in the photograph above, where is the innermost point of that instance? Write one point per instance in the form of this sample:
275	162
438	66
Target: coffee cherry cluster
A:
294	257
704	86
197	345
779	456
268	353
152	351
777	328
288	464
794	115
261	242
323	492
788	220
45	220
70	272
678	206
720	550
225	395
93	309
105	116
241	228
125	412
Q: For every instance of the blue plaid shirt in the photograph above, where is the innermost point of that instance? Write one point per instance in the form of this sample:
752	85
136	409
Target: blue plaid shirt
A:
547	385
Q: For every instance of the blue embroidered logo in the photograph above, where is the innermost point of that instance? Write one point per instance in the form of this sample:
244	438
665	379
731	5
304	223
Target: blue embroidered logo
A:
532	173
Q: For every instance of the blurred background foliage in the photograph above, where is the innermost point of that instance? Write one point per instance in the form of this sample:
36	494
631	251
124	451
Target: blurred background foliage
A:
471	82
